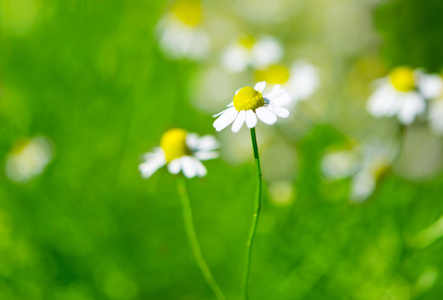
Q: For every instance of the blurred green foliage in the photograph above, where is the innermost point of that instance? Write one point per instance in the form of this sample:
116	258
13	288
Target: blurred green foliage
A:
89	75
412	33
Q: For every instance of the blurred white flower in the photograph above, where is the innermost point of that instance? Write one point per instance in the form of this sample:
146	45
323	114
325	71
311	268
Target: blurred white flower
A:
403	93
363	164
181	151
435	113
28	159
339	164
180	31
249	104
249	52
301	80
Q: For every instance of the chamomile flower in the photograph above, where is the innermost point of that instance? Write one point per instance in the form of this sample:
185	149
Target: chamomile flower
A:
181	152
249	52
180	31
364	164
403	93
249	105
28	159
301	79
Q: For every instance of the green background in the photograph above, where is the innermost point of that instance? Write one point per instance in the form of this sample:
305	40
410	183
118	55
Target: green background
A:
89	75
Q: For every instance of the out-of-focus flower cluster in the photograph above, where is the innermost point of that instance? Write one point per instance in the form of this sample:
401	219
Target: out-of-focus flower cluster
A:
282	46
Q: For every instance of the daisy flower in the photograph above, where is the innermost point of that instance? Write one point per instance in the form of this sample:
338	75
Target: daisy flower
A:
301	79
28	159
364	164
181	152
180	31
249	104
403	93
249	52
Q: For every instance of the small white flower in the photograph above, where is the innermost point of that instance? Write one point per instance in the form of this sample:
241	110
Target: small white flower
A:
249	104
28	159
301	80
180	32
403	94
248	52
181	151
363	164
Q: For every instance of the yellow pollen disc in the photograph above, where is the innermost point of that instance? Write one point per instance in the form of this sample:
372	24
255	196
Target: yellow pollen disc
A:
188	11
248	99
275	74
402	78
247	41
173	143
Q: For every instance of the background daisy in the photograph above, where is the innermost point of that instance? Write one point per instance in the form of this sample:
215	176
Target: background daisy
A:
180	32
181	152
403	93
301	80
249	52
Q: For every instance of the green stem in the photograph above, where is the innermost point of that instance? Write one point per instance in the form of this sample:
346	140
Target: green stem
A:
193	240
257	205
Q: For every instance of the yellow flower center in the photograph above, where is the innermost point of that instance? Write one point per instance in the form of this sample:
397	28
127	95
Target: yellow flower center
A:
247	41
173	143
275	74
188	11
248	99
402	78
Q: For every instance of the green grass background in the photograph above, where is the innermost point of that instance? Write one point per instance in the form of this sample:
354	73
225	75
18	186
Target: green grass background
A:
90	76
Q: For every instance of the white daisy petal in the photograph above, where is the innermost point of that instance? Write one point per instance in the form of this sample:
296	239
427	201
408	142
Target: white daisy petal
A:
384	101
235	59
153	162
225	119
276	88
260	86
266	51
175	166
192	140
201	170
208	143
251	119
266	116
239	121
276	93
189	166
148	168
220	113
431	86
304	79
279	111
206	155
413	105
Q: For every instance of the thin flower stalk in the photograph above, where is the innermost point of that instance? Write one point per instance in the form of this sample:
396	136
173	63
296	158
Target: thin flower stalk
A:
193	240
255	216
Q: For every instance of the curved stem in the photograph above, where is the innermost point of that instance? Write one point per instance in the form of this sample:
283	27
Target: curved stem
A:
257	205
193	240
